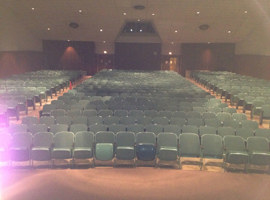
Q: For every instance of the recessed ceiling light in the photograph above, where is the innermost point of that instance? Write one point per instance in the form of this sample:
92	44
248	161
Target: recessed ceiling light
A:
104	41
49	29
176	31
140	30
245	11
198	12
101	30
33	8
68	40
124	13
208	42
229	31
172	43
153	14
105	52
138	20
131	30
170	53
80	11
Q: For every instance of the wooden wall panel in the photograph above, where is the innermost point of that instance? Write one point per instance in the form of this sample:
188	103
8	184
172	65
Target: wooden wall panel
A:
70	55
214	56
17	62
253	65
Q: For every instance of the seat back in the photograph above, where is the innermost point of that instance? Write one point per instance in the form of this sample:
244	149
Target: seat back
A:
167	139
263	133
105	137
189	144
43	139
223	131
84	139
63	139
78	127
146	137
244	132
212	145
234	143
124	138
207	130
23	139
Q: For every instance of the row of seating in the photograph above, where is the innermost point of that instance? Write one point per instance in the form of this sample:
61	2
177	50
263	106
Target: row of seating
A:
244	132
127	146
248	92
19	92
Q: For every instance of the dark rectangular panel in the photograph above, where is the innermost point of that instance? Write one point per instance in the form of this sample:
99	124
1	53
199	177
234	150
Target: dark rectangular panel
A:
138	56
203	56
76	55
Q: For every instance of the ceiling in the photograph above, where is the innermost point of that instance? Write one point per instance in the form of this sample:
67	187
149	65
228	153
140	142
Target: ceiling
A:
240	17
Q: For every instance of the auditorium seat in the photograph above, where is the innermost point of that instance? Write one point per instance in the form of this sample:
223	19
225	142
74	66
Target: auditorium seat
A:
167	148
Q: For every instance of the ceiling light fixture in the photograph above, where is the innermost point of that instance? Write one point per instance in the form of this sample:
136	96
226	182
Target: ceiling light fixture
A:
229	31
124	13
33	8
105	52
48	29
73	25
170	53
140	30
176	31
80	11
100	30
138	20
68	40
198	12
204	27
131	30
172	43
104	41
153	14
139	7
245	11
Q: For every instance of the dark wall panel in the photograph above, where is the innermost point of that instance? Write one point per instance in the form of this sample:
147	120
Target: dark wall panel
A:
253	65
70	55
105	61
138	56
17	62
216	56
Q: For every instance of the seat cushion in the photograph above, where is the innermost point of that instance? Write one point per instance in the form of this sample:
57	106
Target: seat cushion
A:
19	154
237	157
40	153
146	152
125	153
260	158
82	153
4	156
104	151
61	153
167	153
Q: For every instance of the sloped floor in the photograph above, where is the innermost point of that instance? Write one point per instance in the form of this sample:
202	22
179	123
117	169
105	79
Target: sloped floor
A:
131	183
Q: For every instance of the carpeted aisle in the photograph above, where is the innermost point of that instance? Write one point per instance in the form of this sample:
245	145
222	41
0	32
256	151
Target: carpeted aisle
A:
139	183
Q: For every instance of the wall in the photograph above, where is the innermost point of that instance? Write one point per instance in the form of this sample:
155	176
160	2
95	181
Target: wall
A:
20	49
138	56
253	53
20	62
201	56
70	55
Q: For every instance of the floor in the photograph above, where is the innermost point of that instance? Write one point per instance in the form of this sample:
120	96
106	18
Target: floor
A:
131	183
